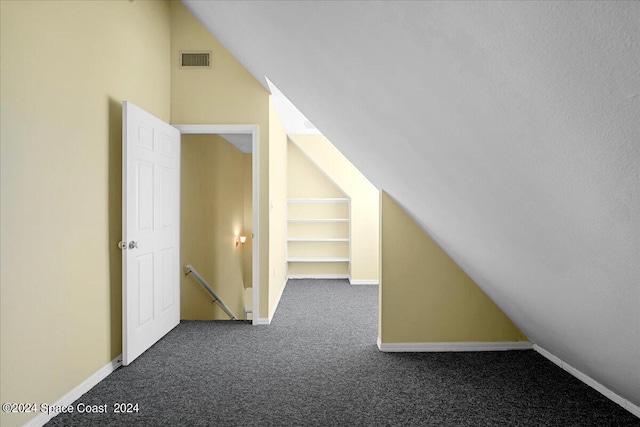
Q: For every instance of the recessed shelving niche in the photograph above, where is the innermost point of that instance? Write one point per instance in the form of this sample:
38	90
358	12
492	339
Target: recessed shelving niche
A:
318	236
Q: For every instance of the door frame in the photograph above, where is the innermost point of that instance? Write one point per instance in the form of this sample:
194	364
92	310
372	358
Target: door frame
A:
243	129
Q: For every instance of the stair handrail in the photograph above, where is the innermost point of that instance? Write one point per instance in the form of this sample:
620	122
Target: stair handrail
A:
190	270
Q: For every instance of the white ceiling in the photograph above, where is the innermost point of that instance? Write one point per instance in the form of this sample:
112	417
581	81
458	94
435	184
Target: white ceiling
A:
509	130
241	141
293	121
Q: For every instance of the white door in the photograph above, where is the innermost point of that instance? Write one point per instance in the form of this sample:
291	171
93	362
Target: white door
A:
151	230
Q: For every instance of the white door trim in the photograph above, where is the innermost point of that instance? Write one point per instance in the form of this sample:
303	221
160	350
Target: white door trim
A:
246	129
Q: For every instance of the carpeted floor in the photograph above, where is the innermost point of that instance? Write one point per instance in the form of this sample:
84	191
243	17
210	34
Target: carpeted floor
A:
317	364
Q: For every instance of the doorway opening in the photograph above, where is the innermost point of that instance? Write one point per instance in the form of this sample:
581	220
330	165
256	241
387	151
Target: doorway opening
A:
244	137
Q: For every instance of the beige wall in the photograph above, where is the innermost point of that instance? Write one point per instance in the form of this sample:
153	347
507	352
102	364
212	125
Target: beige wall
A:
364	203
424	295
66	67
212	216
226	93
277	206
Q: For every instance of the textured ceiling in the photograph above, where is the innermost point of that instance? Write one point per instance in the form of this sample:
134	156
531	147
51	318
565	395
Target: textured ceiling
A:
509	130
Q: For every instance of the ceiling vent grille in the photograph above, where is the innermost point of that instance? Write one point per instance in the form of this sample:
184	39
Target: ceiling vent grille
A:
195	59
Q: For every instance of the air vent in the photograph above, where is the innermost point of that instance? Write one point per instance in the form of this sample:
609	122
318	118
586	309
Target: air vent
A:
195	59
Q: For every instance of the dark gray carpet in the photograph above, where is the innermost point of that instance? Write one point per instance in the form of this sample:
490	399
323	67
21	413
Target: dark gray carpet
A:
317	364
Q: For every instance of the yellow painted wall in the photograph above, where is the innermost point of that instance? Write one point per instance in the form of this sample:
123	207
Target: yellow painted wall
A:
277	206
364	203
305	179
212	215
66	67
226	93
424	295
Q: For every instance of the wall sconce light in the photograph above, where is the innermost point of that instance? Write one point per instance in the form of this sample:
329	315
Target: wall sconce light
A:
241	240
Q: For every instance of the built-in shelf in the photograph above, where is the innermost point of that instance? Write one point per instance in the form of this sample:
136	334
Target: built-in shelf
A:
311	249
317	239
319	200
318	259
318	220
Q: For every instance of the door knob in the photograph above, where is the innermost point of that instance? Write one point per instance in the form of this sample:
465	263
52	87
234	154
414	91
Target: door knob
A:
133	245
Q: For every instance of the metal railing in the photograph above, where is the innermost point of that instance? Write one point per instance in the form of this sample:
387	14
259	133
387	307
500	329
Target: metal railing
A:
190	270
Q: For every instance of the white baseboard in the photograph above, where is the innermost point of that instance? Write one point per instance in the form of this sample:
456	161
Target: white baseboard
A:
363	281
318	276
275	306
634	409
453	346
267	320
66	400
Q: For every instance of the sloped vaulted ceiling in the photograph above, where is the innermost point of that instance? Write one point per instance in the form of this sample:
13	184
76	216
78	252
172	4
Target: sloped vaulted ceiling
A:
509	131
